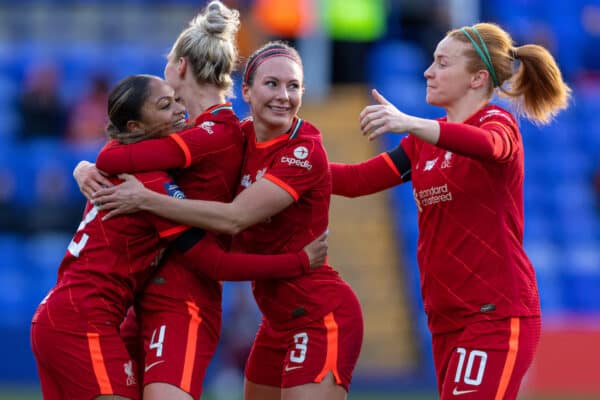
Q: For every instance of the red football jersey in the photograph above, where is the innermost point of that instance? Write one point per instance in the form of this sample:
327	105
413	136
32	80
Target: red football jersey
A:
208	155
108	261
205	160
297	162
470	212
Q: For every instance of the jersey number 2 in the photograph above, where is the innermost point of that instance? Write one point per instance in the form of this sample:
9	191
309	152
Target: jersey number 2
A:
76	247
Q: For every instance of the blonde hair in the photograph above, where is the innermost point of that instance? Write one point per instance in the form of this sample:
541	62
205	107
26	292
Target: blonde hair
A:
209	45
536	87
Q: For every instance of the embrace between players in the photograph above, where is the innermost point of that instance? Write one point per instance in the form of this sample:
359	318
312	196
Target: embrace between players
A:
183	204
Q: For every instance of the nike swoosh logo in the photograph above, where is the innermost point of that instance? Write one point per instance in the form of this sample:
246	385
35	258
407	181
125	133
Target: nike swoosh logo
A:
457	392
288	368
155	363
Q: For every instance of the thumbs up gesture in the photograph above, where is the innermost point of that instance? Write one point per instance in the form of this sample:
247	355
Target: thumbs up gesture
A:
382	117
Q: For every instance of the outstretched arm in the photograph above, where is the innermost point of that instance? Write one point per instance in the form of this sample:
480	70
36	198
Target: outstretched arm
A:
258	202
379	173
496	139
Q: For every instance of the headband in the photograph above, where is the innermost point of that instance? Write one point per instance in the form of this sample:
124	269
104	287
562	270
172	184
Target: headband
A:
265	55
483	54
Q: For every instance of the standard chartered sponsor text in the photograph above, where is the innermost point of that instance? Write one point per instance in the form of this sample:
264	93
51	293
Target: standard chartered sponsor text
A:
434	194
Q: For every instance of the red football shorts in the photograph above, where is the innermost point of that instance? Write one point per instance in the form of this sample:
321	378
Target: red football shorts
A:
486	360
82	365
306	354
180	322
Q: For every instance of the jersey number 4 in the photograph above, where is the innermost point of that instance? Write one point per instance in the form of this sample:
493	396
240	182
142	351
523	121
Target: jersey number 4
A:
156	342
76	247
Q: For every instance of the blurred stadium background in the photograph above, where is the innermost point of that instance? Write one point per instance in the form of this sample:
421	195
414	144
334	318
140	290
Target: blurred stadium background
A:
57	57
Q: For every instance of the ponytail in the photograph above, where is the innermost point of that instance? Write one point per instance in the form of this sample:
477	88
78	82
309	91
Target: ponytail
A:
535	87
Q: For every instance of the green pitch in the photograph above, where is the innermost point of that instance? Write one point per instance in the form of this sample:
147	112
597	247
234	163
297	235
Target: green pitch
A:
34	394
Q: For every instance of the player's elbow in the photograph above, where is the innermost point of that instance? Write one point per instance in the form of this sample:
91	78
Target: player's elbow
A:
233	228
234	225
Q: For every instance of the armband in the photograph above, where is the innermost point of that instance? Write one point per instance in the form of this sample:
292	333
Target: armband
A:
401	161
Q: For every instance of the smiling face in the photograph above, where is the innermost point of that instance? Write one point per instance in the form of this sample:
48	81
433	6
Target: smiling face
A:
274	95
447	77
161	112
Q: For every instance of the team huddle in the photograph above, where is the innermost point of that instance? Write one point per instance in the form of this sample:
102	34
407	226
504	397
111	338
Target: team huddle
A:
185	195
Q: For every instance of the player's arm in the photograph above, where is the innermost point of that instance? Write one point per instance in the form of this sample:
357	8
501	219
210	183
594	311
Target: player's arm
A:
258	202
269	195
147	155
89	178
379	173
494	140
202	253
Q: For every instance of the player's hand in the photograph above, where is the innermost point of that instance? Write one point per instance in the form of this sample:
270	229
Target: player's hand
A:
124	198
90	179
317	251
382	117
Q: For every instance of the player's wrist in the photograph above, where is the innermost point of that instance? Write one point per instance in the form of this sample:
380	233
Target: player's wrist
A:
146	199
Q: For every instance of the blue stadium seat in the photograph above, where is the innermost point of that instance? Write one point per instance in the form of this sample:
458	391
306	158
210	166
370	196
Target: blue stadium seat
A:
572	197
240	107
138	59
45	251
81	62
538	227
406	93
545	255
563	164
581	280
50	165
395	58
14	294
15	176
547	261
11	251
537	199
11	63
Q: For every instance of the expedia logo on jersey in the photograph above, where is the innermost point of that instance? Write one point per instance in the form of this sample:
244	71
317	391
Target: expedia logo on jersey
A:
299	159
174	191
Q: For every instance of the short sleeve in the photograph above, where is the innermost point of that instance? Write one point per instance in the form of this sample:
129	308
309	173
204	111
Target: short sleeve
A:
299	166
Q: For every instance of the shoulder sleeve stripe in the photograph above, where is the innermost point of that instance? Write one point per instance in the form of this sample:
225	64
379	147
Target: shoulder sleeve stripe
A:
388	160
216	110
184	147
502	126
283	185
296	129
173	231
